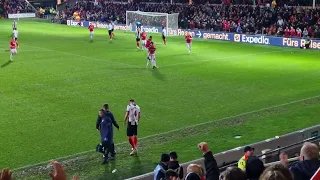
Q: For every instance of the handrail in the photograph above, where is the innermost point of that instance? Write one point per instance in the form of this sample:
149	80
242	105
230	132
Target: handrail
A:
276	150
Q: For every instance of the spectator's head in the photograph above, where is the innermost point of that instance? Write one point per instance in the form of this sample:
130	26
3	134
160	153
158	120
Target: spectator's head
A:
254	167
194	172
165	158
309	151
276	172
248	151
233	173
171	175
283	157
173	156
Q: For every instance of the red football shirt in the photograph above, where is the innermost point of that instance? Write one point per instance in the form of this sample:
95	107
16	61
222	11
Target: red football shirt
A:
13	44
91	28
188	38
144	36
152	49
148	43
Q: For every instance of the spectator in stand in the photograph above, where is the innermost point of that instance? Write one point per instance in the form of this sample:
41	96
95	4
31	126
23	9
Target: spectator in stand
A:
171	175
287	32
233	173
292	32
248	151
174	164
194	172
212	170
309	162
283	157
305	33
299	32
276	172
254	168
162	167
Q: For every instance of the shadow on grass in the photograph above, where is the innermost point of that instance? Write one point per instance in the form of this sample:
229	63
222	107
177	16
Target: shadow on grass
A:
157	74
6	64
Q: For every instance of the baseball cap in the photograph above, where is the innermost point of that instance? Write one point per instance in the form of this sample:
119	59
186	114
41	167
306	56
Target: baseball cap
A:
165	157
248	148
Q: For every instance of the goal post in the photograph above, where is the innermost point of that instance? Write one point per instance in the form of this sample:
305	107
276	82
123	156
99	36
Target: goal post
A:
152	21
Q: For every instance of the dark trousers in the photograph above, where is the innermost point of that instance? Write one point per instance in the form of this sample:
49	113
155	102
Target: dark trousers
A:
107	148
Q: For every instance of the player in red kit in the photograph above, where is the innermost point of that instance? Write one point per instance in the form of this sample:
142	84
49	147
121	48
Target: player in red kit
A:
148	43
189	42
91	29
152	54
144	40
13	48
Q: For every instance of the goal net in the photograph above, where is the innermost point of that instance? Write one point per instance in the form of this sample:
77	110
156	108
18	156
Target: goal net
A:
152	21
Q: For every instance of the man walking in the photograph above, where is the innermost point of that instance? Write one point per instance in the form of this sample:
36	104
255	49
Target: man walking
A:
132	117
105	129
114	123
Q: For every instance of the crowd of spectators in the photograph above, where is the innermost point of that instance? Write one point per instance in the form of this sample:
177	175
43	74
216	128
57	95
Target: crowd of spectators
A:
281	20
252	169
13	7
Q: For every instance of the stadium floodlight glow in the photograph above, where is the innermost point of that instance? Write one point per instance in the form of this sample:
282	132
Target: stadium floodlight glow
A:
153	20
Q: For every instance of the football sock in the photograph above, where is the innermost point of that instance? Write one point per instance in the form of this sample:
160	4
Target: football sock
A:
138	44
10	56
110	36
135	141
148	62
154	63
131	142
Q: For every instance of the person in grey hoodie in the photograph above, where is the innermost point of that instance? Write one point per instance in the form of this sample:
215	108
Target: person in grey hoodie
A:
309	162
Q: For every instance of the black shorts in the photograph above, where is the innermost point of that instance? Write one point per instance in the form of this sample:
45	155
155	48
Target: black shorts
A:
163	37
137	39
132	130
15	39
110	32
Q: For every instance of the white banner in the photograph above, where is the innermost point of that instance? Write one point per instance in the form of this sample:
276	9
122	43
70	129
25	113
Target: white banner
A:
22	15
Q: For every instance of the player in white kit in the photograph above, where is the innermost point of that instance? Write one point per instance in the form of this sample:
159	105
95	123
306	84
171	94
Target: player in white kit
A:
15	33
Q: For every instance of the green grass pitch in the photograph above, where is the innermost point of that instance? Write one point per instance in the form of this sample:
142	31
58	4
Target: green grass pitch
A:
51	93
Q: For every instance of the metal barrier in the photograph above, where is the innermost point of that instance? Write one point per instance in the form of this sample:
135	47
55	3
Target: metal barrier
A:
290	143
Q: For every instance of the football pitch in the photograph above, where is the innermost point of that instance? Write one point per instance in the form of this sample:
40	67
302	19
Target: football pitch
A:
52	91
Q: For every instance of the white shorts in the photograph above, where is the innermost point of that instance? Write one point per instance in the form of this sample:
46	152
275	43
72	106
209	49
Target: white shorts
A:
152	56
189	44
14	51
144	42
91	32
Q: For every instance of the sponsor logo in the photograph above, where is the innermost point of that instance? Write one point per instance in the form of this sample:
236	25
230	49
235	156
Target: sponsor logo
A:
216	36
255	39
21	15
73	23
181	32
68	22
237	38
313	44
290	42
105	26
150	29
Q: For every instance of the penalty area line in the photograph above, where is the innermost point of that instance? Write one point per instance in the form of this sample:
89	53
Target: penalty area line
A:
174	130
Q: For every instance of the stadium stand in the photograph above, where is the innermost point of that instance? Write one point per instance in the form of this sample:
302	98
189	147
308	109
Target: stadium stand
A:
280	20
14	7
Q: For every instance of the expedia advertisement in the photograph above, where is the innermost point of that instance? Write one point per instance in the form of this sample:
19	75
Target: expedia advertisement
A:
240	38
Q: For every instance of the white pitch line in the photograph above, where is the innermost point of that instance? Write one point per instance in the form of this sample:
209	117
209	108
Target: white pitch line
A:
179	129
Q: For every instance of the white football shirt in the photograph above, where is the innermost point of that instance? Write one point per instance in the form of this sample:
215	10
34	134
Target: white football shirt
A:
110	27
133	113
164	32
15	33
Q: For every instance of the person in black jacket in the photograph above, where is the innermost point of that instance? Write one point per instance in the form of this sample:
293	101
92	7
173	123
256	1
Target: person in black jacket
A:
309	164
212	170
174	164
114	122
162	167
